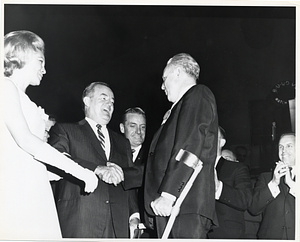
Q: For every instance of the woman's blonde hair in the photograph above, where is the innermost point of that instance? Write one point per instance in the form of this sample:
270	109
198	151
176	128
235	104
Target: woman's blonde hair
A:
18	46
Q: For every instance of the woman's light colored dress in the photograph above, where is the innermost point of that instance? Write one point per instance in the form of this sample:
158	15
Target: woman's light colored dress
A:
27	208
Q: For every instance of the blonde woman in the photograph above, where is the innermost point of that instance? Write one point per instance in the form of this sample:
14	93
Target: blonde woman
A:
27	208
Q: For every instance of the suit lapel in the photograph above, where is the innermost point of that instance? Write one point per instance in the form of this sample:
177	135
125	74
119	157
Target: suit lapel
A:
87	131
283	187
138	160
220	164
112	145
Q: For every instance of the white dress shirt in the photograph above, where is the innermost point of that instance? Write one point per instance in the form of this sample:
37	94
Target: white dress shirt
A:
136	152
104	130
220	188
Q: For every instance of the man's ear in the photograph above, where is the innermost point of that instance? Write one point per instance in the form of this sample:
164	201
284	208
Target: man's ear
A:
122	128
86	101
223	142
177	71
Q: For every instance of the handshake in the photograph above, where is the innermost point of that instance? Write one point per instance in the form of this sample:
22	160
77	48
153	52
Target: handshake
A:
111	174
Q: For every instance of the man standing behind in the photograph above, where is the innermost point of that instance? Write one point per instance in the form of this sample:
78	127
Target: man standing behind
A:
274	194
192	125
105	212
133	126
233	195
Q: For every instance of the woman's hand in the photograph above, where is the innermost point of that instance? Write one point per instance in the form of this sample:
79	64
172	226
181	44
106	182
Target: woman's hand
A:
91	181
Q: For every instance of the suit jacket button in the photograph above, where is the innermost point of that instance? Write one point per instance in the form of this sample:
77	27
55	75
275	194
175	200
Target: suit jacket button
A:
151	153
107	202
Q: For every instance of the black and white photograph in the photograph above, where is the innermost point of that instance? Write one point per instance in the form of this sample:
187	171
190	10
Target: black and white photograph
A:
149	120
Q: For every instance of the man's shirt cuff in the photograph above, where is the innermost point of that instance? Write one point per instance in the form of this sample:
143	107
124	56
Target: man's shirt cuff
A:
219	191
168	196
135	215
274	189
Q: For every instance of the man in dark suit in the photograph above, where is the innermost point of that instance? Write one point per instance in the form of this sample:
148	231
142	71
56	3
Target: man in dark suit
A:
105	212
233	195
274	194
192	125
133	126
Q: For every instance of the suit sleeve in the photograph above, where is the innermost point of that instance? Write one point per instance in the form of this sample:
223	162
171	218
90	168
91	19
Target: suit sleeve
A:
133	176
262	195
59	139
133	201
238	196
196	132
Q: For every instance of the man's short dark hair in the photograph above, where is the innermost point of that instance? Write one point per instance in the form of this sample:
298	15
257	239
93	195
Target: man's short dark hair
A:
136	110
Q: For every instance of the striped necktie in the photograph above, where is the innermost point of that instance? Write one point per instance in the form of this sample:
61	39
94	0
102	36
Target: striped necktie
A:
101	136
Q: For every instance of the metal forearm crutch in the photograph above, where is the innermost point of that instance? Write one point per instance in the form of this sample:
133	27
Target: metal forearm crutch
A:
192	161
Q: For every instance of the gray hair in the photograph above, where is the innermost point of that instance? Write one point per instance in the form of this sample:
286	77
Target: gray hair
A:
187	62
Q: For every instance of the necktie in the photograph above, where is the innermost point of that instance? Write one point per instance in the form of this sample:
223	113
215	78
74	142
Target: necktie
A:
101	136
132	152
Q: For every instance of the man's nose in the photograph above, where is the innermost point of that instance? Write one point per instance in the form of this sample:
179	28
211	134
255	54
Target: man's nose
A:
44	70
110	103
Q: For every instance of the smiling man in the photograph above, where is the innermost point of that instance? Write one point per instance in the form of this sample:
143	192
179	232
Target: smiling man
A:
274	194
104	213
192	125
133	126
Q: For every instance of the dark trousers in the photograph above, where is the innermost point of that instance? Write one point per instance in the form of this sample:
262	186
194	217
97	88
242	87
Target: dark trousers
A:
192	226
109	231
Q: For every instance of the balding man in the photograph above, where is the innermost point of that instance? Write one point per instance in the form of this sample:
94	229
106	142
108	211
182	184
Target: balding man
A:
274	194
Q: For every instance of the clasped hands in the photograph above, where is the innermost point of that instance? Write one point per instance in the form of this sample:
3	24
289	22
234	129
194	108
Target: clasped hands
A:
111	173
281	170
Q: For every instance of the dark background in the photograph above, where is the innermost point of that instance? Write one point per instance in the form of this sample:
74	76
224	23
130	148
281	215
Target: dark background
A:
243	52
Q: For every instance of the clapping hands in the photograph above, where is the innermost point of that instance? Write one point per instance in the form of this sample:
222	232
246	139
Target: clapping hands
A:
111	174
280	170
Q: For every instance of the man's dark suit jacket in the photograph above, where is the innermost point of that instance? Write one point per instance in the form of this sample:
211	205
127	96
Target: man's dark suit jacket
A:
133	175
278	214
192	126
235	199
85	215
140	161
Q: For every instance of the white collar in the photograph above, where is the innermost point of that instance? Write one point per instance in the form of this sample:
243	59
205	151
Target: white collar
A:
93	123
217	160
137	149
